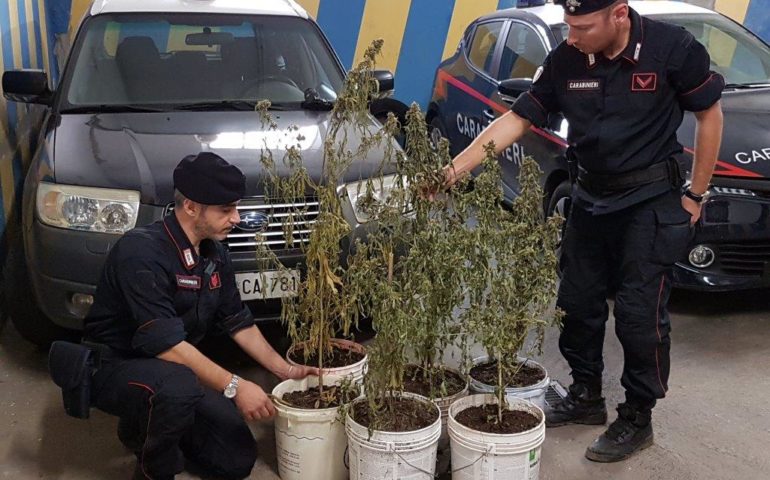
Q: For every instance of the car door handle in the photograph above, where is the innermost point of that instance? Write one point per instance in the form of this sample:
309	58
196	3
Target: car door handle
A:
489	114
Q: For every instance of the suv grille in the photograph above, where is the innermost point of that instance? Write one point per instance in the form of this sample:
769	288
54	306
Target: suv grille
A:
746	258
303	212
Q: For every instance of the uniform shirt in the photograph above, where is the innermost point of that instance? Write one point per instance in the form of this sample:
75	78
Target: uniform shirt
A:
623	113
155	292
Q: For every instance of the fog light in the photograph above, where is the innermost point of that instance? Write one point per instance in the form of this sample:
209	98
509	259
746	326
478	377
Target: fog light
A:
701	256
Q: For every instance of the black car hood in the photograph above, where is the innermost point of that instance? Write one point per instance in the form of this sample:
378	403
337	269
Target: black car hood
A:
745	151
139	151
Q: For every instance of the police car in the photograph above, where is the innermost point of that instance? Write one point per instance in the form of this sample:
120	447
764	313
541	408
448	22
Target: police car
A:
499	54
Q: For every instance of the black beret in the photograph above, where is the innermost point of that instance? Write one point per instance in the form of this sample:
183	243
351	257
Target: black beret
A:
208	179
583	7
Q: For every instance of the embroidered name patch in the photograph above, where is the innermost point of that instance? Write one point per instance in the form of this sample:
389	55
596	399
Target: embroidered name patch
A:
214	282
192	282
644	82
583	85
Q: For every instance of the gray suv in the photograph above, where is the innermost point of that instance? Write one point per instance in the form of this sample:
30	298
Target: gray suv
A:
141	89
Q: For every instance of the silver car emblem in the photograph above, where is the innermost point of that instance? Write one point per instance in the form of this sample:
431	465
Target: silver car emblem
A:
254	222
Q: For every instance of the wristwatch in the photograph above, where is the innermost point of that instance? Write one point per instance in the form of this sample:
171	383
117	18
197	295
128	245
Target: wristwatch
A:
232	388
694	196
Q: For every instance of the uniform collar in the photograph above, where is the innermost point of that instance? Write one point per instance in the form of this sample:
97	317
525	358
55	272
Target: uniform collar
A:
183	246
633	49
636	39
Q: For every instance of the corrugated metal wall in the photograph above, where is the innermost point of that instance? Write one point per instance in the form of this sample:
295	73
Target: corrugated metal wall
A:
418	35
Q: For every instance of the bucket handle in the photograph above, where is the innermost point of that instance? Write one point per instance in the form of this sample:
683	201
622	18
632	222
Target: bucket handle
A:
490	449
392	448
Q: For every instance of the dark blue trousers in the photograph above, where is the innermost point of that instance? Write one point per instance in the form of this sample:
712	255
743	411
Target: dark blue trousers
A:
177	417
629	253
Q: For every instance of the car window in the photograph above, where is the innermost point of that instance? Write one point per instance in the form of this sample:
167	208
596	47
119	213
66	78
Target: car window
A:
735	53
523	53
560	32
180	58
482	47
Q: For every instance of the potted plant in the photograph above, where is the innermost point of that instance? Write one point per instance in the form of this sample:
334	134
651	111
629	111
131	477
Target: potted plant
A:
309	439
433	270
511	284
391	433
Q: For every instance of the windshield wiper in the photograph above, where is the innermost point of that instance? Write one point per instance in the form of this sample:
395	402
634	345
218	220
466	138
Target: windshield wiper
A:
111	109
739	86
240	105
313	101
218	105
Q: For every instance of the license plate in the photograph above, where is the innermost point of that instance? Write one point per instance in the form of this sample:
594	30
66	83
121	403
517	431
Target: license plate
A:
264	285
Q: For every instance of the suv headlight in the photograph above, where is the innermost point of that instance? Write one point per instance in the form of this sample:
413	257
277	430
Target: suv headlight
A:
381	188
87	208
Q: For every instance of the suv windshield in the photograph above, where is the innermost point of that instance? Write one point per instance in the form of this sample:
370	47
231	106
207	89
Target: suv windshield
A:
738	55
174	59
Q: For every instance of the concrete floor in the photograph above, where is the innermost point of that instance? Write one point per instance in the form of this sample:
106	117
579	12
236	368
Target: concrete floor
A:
715	424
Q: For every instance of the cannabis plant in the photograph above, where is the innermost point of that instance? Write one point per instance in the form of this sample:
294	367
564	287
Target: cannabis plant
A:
324	304
511	267
408	272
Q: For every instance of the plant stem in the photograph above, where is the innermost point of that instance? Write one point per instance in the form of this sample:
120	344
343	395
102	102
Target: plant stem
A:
500	391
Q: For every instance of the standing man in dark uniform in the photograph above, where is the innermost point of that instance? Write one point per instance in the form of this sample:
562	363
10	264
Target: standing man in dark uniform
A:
163	288
622	82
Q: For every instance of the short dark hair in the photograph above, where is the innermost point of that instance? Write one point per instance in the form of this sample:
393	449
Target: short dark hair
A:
178	199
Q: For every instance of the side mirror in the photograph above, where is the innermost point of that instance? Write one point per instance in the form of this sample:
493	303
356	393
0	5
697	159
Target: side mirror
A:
514	87
385	80
26	86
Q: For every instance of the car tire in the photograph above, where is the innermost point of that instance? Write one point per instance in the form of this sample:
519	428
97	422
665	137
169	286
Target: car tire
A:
19	303
559	203
382	106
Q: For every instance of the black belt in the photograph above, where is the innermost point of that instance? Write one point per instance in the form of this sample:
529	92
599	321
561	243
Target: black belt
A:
598	183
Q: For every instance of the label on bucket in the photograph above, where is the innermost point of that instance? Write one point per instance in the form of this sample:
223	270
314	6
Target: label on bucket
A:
534	464
288	460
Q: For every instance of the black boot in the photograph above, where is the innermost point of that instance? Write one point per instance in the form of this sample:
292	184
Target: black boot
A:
140	475
630	433
130	435
581	405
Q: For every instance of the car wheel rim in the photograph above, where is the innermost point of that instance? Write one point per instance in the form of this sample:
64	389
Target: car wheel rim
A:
435	137
560	208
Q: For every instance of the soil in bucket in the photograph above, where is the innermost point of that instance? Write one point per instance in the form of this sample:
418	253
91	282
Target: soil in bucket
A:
445	383
339	357
484	419
333	396
524	376
404	415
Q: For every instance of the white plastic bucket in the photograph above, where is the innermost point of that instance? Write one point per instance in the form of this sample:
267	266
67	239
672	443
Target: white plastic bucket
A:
488	456
393	455
534	393
309	443
356	370
443	405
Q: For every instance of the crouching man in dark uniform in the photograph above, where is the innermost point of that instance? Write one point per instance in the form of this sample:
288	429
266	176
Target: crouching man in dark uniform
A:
163	287
622	82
